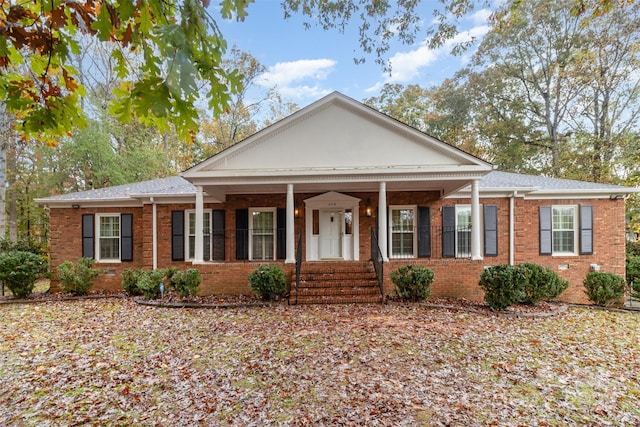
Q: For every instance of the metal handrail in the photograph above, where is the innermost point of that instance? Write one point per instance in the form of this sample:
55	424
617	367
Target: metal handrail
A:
378	261
298	265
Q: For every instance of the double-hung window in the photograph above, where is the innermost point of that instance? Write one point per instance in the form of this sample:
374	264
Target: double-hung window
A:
108	241
262	223
403	235
564	229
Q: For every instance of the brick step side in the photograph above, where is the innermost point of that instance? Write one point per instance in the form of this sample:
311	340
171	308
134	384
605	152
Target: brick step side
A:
338	283
337	291
339	277
339	299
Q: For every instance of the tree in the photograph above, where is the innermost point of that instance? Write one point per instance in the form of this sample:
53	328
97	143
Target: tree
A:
534	52
178	41
180	45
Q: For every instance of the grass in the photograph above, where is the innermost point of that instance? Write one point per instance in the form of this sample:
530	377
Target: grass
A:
112	362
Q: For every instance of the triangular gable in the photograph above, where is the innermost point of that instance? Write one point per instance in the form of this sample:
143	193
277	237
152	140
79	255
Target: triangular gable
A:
332	197
338	134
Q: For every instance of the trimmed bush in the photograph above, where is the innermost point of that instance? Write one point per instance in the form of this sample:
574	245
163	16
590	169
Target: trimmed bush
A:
186	283
267	282
413	282
19	270
541	283
130	278
149	282
77	278
604	288
503	286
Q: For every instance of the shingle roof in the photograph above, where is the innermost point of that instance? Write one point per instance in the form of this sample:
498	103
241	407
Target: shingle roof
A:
178	186
507	180
173	185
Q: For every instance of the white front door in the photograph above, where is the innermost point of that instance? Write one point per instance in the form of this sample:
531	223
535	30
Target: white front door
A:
331	231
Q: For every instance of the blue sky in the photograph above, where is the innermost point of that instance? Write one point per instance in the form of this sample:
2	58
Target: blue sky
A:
305	65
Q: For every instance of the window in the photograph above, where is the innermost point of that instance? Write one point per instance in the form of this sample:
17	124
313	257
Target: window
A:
403	237
191	234
262	234
563	227
108	232
463	231
348	222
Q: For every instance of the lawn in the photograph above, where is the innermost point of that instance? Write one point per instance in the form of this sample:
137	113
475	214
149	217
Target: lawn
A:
113	362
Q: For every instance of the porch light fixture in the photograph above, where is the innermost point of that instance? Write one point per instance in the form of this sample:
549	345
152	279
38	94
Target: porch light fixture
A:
296	211
368	207
75	206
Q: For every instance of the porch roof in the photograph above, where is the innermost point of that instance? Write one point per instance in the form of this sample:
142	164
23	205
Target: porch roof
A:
178	189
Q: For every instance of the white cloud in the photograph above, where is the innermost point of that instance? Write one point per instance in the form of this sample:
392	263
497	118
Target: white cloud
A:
284	73
303	91
406	66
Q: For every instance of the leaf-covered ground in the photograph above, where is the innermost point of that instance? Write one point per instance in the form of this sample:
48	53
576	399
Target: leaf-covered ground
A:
113	362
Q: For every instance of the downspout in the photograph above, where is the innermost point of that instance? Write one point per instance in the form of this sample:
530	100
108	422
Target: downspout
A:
154	233
512	234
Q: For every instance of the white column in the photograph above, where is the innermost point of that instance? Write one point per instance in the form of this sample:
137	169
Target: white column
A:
512	233
154	232
382	220
199	255
290	232
476	253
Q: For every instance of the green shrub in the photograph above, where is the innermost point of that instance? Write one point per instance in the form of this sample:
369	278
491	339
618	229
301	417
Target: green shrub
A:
19	270
633	275
267	282
130	278
413	283
186	283
149	282
632	249
604	288
77	278
26	245
540	283
503	285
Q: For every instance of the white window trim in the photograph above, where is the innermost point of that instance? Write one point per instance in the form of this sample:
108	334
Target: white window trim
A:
575	230
98	237
188	213
275	237
414	208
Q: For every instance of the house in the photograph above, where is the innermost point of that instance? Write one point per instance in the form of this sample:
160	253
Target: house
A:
340	184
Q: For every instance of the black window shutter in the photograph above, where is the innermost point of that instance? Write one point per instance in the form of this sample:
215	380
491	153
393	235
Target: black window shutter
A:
546	247
424	231
218	235
490	230
88	242
448	231
281	233
177	235
586	230
126	237
242	233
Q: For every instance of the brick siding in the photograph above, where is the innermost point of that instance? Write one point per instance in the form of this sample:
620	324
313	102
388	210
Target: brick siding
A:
453	277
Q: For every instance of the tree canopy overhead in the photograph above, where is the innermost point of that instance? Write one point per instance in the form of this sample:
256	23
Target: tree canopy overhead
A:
177	42
178	51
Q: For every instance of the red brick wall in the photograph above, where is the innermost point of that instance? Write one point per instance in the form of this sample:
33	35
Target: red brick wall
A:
66	243
453	277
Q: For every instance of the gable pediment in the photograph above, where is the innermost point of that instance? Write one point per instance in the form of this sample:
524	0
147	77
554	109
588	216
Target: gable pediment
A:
332	197
335	135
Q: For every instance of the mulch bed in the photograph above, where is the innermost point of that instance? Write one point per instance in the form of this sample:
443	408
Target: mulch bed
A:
172	300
